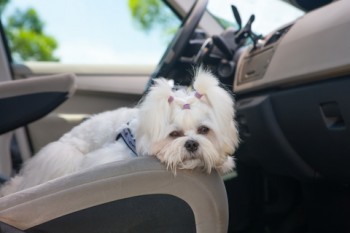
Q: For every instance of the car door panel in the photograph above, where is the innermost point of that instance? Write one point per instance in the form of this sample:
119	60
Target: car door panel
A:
113	88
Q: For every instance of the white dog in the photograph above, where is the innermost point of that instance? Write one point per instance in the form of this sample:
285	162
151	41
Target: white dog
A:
185	129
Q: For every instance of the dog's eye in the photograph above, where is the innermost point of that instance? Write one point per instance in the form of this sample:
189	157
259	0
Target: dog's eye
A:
203	130
175	134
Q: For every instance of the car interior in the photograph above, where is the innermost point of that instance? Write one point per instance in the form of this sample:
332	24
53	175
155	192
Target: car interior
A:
291	101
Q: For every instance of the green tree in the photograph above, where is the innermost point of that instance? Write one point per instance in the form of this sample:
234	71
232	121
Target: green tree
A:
26	36
149	14
3	4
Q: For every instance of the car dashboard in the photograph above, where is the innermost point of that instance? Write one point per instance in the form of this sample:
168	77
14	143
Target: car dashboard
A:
309	49
292	97
292	107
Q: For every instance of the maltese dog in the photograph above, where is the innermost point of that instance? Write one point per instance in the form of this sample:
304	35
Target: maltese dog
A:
187	128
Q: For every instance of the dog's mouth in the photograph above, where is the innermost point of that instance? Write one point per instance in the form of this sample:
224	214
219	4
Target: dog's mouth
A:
192	155
196	160
192	163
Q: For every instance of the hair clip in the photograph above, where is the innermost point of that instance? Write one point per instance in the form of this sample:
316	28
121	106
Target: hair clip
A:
198	95
170	99
186	106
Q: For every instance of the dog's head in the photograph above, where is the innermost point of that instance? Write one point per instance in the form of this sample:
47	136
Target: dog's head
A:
189	128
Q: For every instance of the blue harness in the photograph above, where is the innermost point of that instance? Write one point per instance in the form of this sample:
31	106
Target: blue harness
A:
128	138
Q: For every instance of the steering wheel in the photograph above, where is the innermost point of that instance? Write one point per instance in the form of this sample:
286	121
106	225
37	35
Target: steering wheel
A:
180	40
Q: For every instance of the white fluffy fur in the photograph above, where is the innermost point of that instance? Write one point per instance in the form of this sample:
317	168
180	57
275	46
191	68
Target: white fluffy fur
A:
93	142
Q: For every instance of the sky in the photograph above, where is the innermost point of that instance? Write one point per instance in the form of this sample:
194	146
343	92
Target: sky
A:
103	32
269	14
90	31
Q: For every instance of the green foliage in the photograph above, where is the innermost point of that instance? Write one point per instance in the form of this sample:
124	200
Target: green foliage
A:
149	14
26	20
28	45
146	13
3	4
26	37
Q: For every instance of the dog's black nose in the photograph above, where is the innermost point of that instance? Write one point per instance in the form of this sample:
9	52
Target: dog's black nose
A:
191	145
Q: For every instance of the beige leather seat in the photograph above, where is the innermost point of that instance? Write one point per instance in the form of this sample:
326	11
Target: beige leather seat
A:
138	195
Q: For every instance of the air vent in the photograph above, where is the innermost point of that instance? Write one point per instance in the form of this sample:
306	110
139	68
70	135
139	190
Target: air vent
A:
277	35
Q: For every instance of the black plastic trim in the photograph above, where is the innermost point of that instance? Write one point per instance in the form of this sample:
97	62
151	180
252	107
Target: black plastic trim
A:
156	213
20	110
301	132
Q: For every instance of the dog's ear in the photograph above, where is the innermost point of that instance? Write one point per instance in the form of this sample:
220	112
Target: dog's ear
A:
207	86
155	110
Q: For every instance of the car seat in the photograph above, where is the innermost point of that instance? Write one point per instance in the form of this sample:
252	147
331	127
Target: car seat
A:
136	195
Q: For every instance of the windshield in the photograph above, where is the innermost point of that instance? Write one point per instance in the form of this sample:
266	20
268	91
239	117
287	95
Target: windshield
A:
269	14
121	32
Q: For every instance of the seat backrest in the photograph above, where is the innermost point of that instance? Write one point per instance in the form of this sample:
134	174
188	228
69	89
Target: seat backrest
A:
137	195
23	101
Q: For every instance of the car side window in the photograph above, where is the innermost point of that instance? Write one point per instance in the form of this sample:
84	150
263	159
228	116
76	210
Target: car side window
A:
88	31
